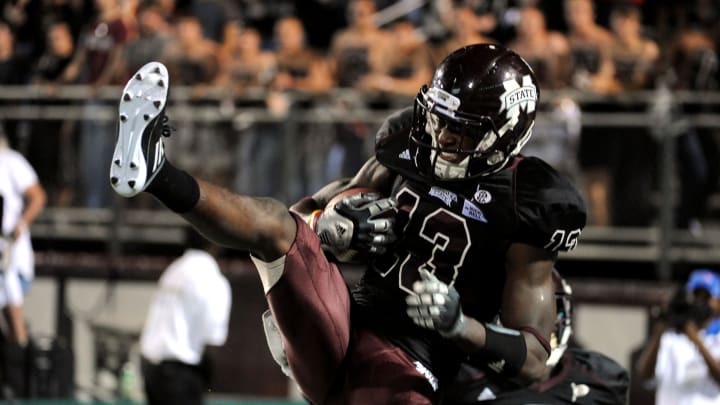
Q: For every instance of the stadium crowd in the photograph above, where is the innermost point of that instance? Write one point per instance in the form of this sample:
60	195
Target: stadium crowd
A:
294	54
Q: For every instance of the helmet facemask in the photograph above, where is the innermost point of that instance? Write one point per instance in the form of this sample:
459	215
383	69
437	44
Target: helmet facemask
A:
560	338
436	110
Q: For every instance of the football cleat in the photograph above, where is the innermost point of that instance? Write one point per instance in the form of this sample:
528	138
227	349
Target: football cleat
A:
139	152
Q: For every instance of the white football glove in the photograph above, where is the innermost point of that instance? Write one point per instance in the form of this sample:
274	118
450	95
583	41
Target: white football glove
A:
363	221
435	305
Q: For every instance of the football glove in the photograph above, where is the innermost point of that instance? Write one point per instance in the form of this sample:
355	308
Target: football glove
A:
435	305
363	221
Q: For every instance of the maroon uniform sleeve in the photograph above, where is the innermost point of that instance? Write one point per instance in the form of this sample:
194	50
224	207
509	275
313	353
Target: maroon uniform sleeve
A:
550	212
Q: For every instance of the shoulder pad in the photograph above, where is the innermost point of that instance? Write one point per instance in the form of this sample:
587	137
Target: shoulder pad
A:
550	211
391	143
613	376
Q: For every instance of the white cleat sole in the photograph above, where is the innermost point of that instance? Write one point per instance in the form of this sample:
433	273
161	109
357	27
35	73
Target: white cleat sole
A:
143	99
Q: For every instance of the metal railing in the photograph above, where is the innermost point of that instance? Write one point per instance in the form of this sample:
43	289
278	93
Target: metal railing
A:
658	110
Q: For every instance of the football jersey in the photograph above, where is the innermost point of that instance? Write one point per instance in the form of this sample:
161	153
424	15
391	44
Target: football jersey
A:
460	231
581	377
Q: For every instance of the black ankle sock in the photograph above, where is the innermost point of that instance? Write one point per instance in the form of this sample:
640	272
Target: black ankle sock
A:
175	188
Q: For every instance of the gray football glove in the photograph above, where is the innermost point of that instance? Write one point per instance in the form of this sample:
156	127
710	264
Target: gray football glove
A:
363	222
435	305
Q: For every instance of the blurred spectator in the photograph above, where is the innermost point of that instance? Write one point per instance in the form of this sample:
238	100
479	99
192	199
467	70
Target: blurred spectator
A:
355	52
684	347
192	59
59	51
71	12
13	65
190	310
358	49
406	66
51	146
588	41
155	35
129	11
96	63
14	68
694	66
556	136
244	63
214	15
24	17
247	66
589	45
298	67
22	198
546	51
634	59
465	30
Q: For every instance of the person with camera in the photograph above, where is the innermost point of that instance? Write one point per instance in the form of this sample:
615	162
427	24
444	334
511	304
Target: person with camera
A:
683	352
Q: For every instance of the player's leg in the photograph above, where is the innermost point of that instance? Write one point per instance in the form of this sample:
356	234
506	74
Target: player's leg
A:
310	304
306	293
261	226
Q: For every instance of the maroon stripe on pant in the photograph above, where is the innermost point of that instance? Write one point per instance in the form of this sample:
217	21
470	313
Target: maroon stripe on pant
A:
311	305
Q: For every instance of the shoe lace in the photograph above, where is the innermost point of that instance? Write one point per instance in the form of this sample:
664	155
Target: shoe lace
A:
166	129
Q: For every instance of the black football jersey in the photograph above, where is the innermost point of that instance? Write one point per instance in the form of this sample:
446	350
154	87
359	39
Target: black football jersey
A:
461	231
582	377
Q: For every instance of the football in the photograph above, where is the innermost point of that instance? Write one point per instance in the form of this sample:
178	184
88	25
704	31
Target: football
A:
351	191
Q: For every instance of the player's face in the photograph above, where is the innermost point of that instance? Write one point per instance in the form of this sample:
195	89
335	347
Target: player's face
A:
449	139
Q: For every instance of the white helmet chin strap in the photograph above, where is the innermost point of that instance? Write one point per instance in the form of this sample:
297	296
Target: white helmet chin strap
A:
443	169
448	170
559	347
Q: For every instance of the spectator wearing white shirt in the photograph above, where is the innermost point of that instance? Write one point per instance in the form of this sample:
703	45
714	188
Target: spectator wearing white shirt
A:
683	352
190	309
22	198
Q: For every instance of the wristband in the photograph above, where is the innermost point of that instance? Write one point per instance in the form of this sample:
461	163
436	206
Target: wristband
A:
505	350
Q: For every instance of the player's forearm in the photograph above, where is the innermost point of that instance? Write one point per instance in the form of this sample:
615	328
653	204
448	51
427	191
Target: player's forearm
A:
261	226
519	353
308	205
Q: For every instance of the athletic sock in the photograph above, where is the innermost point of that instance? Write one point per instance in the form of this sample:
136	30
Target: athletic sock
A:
175	188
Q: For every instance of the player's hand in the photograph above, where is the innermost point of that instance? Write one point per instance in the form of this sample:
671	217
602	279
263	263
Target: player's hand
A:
435	305
363	221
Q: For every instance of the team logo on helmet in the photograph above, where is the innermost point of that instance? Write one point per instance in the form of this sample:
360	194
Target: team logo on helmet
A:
515	100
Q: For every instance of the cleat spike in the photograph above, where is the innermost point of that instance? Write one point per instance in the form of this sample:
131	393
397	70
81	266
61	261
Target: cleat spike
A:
161	83
123	117
127	97
133	165
117	162
138	76
131	183
157	104
146	117
157	70
113	180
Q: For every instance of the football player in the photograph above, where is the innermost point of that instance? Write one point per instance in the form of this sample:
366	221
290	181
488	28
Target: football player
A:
573	376
478	229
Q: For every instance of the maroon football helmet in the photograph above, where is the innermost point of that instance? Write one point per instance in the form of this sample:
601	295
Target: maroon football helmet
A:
486	92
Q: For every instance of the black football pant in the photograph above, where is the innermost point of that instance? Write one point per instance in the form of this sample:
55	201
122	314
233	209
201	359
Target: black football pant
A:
173	382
